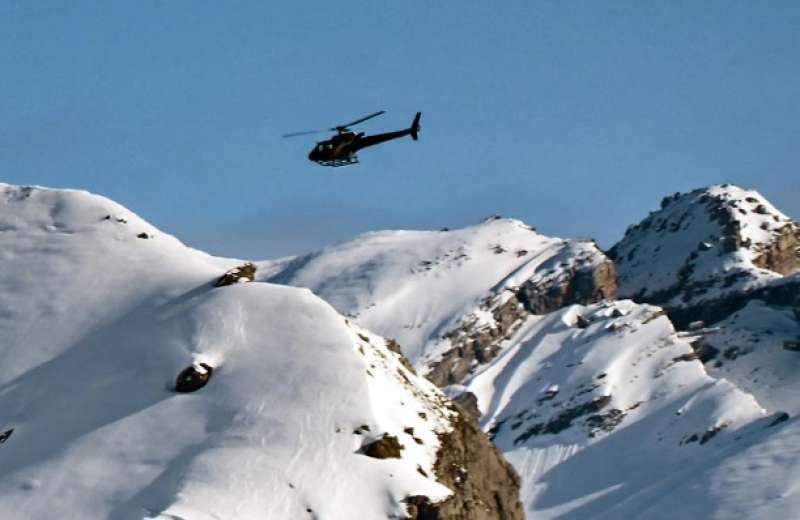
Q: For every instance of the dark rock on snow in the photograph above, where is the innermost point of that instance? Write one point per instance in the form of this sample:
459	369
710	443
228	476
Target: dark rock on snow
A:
193	378
386	447
243	273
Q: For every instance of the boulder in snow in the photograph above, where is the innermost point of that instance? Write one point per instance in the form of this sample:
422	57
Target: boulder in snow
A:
243	273
193	378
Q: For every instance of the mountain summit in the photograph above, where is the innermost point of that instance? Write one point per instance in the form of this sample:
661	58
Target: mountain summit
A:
702	245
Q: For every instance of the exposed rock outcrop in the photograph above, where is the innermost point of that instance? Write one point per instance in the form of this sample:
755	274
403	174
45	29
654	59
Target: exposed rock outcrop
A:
782	254
585	278
384	447
243	273
485	486
583	284
469	404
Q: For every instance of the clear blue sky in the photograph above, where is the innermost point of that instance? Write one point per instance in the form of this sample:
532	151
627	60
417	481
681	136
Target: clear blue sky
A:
576	117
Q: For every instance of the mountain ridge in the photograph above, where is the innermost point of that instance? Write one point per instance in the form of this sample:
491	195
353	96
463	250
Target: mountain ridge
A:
682	390
704	257
303	415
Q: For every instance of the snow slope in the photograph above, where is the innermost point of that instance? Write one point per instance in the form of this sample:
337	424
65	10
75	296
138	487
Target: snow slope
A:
611	415
750	351
99	312
416	286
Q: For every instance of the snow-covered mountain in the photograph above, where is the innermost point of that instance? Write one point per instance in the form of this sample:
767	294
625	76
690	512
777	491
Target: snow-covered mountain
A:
450	297
304	414
603	407
607	408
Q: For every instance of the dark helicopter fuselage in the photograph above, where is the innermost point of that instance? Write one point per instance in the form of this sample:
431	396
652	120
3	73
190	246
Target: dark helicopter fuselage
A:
341	149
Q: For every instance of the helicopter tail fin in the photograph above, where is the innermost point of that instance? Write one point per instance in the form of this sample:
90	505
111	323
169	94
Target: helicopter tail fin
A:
415	126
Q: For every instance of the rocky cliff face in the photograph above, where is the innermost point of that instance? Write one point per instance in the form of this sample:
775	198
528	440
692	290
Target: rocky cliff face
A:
581	274
782	253
485	486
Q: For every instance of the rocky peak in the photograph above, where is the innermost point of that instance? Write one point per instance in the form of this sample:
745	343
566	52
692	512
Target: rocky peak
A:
704	244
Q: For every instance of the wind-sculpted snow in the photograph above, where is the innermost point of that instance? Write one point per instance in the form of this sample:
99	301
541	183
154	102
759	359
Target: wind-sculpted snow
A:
607	413
96	322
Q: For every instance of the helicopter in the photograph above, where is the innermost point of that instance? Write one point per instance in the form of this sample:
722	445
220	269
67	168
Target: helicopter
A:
340	150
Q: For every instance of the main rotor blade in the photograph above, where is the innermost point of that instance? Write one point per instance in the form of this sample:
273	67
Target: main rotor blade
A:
307	132
376	114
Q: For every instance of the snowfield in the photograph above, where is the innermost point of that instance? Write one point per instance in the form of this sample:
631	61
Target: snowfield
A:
99	312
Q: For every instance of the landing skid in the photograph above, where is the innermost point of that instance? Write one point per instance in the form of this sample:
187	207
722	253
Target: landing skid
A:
335	163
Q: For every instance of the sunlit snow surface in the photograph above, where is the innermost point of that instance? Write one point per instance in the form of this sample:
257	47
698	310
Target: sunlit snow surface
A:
95	324
415	286
652	450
